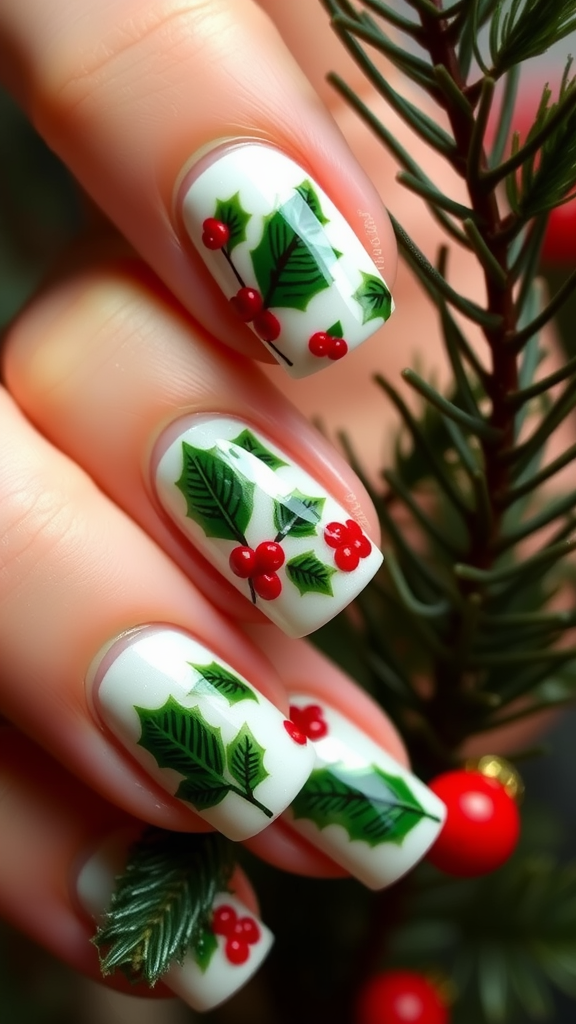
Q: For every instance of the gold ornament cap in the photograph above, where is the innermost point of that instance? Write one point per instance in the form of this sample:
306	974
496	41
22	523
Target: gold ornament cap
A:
495	767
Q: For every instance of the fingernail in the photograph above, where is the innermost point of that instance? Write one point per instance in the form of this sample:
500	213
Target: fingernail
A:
359	806
201	730
233	946
262	521
285	258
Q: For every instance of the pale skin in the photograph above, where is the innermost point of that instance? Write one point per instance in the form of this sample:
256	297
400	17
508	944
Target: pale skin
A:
104	358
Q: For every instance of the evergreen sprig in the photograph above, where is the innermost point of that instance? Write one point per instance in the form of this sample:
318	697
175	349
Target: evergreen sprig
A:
162	904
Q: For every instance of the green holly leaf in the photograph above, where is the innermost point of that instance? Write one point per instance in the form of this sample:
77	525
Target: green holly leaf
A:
374	298
181	739
218	497
310	575
293	258
250	443
162	905
336	331
310	197
232	213
371	805
215	677
246	760
297	514
204	949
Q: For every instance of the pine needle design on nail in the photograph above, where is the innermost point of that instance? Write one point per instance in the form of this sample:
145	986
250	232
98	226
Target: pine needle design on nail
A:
292	263
218	484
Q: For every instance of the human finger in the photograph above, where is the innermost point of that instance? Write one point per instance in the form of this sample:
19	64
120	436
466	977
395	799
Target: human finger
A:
195	444
63	847
250	195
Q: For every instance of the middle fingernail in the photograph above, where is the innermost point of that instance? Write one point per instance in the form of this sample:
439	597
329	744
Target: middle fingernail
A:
262	521
201	730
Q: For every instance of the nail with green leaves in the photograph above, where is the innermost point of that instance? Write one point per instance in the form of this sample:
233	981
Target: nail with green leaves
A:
285	258
262	521
164	912
359	806
200	729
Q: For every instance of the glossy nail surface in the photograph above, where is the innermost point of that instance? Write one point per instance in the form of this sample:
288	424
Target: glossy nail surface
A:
233	946
284	256
200	729
362	808
262	521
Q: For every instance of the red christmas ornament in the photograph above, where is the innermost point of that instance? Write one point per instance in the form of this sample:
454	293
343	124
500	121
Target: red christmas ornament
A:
400	997
482	826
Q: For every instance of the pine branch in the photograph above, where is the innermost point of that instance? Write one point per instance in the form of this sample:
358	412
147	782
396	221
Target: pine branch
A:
162	904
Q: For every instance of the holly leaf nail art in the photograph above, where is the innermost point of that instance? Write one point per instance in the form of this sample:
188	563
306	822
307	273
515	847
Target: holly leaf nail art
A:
206	946
373	297
297	514
217	497
246	760
310	575
293	259
310	197
181	739
232	213
250	443
215	677
371	805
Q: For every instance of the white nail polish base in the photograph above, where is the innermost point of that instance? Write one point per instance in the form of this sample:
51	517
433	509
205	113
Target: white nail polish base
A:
296	612
201	989
334	273
351	756
206	736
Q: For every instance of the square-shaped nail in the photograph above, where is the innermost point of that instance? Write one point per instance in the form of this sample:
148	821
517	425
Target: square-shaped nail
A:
284	256
200	729
262	521
362	808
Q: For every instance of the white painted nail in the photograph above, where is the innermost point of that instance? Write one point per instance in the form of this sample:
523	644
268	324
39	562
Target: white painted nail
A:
359	806
262	521
284	256
209	976
201	730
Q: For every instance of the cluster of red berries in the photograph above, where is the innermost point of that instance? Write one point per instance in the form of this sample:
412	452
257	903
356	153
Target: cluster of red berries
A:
247	303
310	721
350	543
322	344
259	565
240	933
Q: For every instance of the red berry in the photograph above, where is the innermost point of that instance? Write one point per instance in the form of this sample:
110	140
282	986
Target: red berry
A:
215	233
297	734
247	303
267	326
400	997
338	348
237	951
347	558
298	717
336	534
482	826
354	529
319	344
314	725
224	920
311	712
267	585
242	562
269	556
247	930
363	546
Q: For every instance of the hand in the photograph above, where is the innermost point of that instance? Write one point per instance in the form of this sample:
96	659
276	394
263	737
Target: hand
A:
117	588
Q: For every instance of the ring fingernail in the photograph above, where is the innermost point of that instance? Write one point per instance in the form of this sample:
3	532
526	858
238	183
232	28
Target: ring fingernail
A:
200	729
232	943
284	256
262	521
362	808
